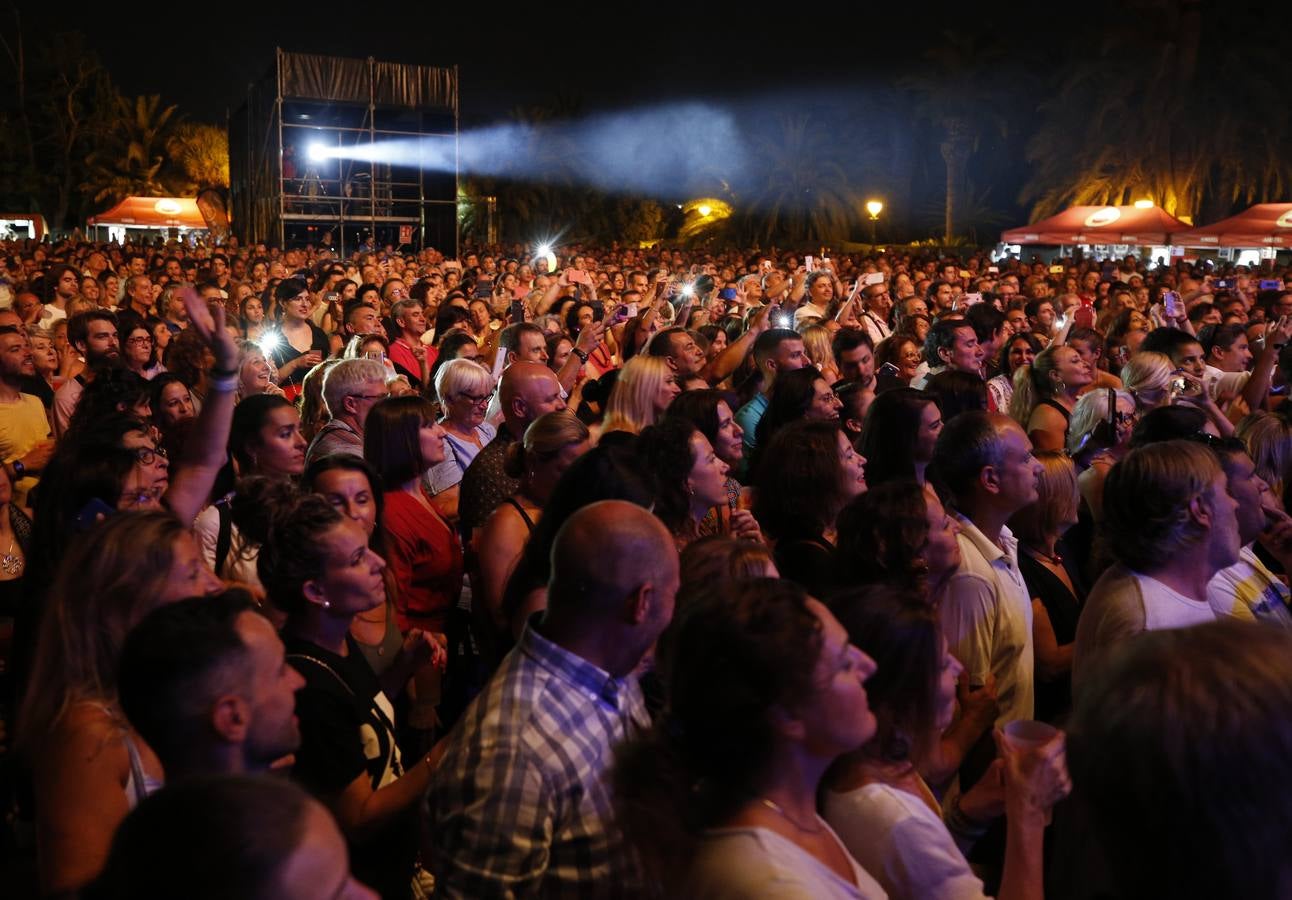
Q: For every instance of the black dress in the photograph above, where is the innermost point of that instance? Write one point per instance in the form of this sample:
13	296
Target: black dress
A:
1054	696
284	353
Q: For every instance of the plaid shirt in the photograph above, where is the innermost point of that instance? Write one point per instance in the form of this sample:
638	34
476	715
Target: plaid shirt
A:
521	804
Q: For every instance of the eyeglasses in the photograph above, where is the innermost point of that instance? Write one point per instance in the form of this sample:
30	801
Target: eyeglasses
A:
149	455
475	401
138	341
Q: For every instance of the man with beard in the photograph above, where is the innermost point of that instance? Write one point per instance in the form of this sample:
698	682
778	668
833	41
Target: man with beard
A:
93	335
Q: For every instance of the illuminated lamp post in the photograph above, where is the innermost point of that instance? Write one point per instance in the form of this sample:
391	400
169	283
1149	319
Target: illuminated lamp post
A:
874	207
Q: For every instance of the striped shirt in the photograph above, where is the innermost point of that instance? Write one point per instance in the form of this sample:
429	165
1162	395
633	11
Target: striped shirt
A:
521	803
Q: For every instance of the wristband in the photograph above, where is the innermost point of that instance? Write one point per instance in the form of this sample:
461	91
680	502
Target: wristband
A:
222	383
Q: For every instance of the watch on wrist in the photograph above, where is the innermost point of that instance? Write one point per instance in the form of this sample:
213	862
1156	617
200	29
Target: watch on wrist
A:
19	470
581	354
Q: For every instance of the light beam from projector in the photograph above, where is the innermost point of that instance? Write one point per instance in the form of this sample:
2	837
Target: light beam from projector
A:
654	151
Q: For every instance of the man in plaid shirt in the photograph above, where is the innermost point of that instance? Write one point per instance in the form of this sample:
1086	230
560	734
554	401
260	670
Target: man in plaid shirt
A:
521	803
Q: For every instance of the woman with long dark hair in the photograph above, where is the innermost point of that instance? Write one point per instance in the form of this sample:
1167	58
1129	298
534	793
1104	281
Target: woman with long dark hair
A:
764	692
876	799
898	435
808	474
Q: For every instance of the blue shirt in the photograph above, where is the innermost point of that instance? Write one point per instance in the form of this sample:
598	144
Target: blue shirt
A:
521	803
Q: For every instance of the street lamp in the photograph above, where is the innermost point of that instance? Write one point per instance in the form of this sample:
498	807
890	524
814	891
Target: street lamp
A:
874	207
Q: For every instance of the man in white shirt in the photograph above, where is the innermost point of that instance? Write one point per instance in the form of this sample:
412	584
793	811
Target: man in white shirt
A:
985	462
878	305
1171	524
819	291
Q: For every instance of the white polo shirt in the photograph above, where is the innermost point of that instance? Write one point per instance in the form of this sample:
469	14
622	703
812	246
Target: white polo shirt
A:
987	619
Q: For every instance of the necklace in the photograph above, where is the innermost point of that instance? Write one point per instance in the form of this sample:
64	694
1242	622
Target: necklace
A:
776	808
1053	559
12	563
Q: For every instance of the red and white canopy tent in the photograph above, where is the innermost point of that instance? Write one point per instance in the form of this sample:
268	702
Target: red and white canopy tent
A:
1264	225
152	212
1104	225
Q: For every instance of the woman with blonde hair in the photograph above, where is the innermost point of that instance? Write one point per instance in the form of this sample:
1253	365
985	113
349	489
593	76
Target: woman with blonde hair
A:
89	766
817	343
1152	378
551	444
1268	438
256	373
645	388
464	388
1045	394
1053	579
1147	376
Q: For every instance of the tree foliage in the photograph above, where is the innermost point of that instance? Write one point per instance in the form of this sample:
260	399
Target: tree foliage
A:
1153	118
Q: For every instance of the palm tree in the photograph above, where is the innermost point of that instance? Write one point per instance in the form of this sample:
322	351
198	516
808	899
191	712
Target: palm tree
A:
958	93
804	194
132	159
1179	135
201	152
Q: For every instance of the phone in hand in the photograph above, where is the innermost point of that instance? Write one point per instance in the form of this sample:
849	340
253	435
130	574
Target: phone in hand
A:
1171	304
873	278
809	263
516	312
1271	284
1225	284
1057	270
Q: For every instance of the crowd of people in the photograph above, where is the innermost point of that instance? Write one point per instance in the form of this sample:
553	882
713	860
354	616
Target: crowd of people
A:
618	572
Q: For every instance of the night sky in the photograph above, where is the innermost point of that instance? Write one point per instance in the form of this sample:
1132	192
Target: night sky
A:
595	56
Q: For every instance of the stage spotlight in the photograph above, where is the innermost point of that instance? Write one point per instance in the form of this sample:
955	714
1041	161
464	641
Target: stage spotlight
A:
316	152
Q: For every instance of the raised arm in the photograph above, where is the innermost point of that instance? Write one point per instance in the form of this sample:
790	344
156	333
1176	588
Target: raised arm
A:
204	453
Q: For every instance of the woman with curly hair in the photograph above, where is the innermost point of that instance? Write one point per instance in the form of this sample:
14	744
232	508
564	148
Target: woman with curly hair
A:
689	476
720	795
897	533
808	474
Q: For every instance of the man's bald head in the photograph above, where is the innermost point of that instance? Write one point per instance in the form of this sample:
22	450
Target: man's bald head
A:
528	390
603	558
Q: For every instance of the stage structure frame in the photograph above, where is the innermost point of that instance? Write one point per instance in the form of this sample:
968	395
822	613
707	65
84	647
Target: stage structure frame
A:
282	193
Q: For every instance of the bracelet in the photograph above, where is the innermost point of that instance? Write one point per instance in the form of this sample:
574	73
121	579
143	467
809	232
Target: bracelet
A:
582	355
222	383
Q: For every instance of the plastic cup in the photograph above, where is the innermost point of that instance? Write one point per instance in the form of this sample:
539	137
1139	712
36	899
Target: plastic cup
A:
1028	734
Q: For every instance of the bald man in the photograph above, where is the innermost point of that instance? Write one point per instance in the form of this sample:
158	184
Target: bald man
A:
528	390
520	804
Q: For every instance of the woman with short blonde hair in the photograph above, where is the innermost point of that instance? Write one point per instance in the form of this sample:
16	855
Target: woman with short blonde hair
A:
464	387
644	389
1147	375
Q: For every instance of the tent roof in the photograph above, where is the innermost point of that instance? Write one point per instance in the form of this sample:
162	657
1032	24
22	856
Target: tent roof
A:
153	212
1264	225
1099	225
